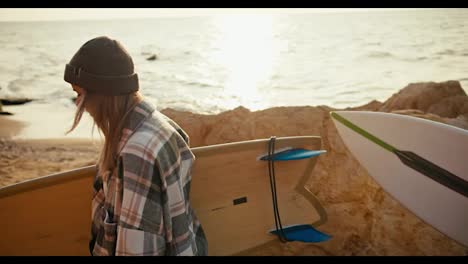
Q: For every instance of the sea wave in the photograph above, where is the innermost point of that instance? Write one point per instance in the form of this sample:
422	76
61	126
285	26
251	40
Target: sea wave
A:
446	52
379	54
416	59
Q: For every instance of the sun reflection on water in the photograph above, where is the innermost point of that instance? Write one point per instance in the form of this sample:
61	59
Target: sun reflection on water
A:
245	48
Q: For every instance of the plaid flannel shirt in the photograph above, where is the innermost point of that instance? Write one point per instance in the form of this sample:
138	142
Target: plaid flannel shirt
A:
142	207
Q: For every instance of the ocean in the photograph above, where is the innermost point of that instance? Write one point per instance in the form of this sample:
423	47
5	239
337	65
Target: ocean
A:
210	64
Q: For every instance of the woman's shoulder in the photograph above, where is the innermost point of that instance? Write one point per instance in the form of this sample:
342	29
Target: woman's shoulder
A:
170	125
156	133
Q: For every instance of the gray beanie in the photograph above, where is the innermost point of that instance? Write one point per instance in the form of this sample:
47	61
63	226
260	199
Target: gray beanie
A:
102	66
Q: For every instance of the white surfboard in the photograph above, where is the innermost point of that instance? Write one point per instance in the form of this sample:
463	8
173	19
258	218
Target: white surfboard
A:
434	200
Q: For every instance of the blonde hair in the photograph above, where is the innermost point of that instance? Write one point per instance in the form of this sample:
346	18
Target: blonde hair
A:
109	114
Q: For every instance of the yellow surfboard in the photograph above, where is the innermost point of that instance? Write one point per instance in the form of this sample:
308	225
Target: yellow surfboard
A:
230	194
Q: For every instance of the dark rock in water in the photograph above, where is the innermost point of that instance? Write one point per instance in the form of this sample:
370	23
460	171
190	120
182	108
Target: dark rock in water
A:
152	57
5	113
17	101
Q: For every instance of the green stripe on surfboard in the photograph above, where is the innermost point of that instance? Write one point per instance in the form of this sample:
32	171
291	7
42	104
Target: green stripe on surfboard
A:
363	133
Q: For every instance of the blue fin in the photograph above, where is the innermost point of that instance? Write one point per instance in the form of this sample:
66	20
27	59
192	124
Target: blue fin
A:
303	233
294	154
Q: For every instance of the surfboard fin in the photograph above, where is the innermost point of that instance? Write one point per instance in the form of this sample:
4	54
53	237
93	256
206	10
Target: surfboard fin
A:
302	233
294	154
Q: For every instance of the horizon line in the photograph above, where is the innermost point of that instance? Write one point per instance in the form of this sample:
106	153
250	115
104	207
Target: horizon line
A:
83	14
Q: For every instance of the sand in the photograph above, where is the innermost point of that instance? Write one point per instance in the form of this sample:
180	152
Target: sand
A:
22	160
9	127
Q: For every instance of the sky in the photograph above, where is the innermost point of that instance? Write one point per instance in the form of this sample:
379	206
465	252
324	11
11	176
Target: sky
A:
43	14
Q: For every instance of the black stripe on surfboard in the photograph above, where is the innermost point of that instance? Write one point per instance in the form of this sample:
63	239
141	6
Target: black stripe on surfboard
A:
433	171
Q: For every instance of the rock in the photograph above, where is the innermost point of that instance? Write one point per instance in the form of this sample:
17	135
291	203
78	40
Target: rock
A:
1	109
444	102
152	57
374	105
422	96
15	101
450	107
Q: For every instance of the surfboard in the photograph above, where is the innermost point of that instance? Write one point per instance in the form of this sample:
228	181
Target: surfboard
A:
230	193
421	163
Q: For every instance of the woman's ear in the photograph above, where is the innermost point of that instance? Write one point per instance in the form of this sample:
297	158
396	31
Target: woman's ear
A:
78	89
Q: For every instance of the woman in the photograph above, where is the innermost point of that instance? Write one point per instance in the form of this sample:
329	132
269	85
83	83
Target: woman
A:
141	202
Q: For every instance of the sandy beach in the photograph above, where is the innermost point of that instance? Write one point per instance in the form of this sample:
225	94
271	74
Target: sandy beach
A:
10	127
363	219
22	160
